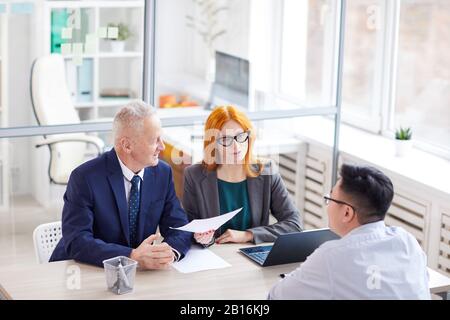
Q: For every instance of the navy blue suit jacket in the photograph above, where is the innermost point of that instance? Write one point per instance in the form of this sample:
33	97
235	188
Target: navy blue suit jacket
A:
95	213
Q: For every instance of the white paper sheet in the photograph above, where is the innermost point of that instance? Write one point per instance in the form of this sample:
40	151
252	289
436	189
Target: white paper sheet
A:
199	259
203	225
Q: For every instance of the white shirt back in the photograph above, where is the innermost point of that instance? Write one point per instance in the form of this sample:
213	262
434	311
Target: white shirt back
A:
371	262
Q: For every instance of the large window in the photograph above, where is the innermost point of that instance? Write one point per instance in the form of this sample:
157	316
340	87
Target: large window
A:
362	49
396	64
423	77
307	71
305	59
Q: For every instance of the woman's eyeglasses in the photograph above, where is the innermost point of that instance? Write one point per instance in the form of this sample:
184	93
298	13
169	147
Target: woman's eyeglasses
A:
227	141
327	200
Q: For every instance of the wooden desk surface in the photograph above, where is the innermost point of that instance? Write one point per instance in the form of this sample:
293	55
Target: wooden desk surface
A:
243	280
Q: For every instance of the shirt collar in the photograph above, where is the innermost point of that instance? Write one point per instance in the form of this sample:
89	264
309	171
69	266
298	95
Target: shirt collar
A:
127	173
368	227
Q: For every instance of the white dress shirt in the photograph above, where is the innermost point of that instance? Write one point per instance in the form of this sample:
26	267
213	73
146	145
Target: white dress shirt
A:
370	262
127	176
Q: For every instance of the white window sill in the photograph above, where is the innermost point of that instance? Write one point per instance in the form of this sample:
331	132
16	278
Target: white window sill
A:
419	166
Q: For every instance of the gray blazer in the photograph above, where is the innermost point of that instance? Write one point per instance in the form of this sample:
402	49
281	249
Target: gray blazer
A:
267	194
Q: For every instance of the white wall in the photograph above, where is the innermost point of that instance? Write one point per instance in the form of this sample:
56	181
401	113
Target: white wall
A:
181	50
264	49
20	110
28	165
172	39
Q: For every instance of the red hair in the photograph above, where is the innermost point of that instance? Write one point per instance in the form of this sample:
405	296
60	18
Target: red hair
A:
215	122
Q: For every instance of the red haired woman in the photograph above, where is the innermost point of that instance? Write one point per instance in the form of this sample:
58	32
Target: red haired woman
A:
230	178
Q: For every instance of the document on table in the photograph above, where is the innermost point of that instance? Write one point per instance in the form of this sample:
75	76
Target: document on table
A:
203	225
199	259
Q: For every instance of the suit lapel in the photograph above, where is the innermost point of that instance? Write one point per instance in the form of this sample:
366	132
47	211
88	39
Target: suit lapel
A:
210	194
147	195
255	186
117	185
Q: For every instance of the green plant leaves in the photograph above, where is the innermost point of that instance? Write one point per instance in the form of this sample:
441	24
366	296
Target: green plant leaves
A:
403	133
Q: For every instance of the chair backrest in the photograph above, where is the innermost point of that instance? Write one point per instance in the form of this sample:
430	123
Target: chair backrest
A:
45	237
50	95
65	156
52	105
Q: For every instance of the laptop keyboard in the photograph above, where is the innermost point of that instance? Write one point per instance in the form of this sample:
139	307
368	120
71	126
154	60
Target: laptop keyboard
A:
260	256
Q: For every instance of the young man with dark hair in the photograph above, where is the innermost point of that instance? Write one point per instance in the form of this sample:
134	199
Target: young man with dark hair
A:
371	260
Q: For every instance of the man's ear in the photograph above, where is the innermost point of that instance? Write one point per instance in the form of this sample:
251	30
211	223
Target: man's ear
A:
349	215
125	143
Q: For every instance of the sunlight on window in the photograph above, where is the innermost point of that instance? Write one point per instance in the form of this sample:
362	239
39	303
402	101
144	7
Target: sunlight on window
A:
423	79
363	24
293	58
305	60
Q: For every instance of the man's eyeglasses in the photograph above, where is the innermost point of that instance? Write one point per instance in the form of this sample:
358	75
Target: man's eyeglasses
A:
327	200
227	141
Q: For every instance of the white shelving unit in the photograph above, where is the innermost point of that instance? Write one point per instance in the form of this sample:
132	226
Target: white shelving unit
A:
4	154
110	70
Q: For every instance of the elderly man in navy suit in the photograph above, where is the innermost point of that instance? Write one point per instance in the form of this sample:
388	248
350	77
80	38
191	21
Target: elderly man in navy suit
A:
114	203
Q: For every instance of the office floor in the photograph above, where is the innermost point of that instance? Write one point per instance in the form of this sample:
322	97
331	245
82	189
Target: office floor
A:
17	226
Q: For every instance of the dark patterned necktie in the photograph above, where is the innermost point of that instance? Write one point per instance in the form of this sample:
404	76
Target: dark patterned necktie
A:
133	209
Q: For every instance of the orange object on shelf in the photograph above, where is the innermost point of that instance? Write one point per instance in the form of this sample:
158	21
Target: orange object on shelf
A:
167	101
185	101
170	101
189	104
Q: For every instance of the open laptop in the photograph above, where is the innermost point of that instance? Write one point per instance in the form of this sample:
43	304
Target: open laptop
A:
290	247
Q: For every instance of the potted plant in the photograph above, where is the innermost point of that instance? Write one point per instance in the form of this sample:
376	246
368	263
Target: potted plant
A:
403	142
118	44
207	22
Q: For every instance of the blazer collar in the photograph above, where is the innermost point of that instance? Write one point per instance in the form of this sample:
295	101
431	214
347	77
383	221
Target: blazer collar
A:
210	192
148	193
115	179
255	188
211	195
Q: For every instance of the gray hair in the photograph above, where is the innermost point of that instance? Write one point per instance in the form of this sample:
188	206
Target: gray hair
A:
131	116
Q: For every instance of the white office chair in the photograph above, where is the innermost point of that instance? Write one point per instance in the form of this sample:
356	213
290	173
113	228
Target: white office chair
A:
45	238
52	105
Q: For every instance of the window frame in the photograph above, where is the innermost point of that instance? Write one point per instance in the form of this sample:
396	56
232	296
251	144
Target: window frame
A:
390	90
382	56
384	89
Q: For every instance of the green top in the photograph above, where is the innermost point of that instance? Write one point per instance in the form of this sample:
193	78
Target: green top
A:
232	196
